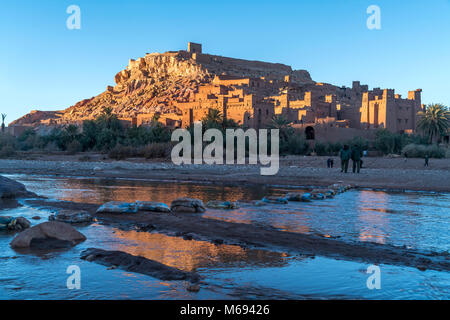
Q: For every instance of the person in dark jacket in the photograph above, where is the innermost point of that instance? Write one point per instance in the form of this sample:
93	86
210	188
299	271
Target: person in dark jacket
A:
345	155
356	159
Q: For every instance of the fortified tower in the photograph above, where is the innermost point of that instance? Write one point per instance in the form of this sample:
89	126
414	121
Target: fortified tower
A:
194	47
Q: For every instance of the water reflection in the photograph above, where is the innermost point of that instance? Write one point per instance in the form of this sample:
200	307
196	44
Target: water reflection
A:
374	226
268	215
98	191
380	217
415	219
234	272
189	255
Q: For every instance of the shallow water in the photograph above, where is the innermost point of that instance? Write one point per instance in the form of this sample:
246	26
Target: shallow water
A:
231	272
414	219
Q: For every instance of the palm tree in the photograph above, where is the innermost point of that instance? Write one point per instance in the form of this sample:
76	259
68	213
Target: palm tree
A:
214	115
3	121
435	121
213	119
281	123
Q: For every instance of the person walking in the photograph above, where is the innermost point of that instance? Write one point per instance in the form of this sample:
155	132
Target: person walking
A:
426	160
345	155
356	159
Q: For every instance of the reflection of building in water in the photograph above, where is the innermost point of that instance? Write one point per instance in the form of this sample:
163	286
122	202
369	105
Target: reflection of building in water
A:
188	255
101	191
373	221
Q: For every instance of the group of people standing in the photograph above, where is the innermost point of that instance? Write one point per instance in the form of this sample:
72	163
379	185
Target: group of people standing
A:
346	154
355	154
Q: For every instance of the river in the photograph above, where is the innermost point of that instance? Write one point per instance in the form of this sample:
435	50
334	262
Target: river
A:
413	219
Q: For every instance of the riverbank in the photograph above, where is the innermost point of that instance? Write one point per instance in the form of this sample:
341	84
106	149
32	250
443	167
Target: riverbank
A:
377	173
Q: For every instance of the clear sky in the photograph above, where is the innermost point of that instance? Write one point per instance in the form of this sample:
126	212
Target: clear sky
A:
45	66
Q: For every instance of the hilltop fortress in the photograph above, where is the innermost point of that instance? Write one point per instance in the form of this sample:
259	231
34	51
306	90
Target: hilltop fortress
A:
181	86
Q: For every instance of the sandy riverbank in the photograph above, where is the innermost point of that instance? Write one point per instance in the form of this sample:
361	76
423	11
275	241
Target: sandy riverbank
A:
379	173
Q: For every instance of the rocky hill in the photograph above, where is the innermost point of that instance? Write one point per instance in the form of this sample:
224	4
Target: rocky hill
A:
158	81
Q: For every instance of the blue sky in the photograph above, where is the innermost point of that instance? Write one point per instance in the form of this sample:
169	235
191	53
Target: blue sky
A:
46	66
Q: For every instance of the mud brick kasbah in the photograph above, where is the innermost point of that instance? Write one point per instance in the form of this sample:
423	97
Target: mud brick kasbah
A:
180	87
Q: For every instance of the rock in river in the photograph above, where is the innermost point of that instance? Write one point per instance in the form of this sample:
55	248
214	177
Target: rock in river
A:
306	197
48	235
225	205
118	207
293	196
152	206
15	224
128	262
317	196
187	205
71	216
277	200
12	189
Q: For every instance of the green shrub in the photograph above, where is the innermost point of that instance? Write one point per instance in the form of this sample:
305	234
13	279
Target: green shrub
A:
120	152
7	140
334	148
321	149
420	151
295	144
358	142
7	152
157	150
387	142
74	147
327	148
393	143
51	146
29	140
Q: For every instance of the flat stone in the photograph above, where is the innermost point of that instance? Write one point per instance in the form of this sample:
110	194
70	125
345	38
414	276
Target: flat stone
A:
152	206
225	205
51	232
130	263
187	205
71	216
118	207
276	200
